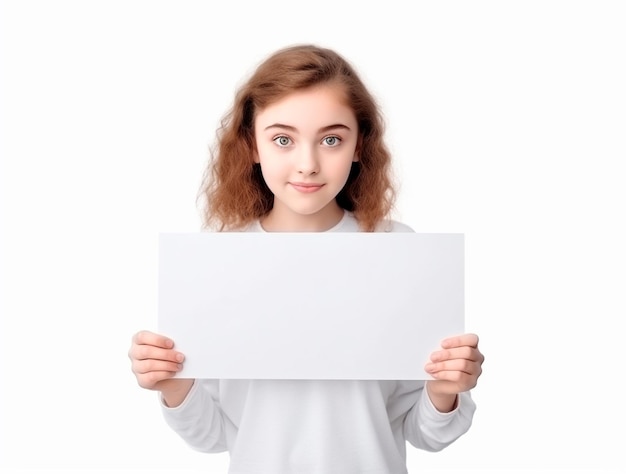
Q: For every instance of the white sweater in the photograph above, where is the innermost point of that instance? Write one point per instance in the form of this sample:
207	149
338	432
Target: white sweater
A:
316	426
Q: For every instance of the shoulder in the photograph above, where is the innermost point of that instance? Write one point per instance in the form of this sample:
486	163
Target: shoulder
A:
350	224
390	225
254	226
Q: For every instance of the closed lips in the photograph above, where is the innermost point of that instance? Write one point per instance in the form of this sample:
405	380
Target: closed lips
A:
306	187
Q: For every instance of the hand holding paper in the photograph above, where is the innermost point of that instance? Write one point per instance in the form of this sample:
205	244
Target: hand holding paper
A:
455	368
155	363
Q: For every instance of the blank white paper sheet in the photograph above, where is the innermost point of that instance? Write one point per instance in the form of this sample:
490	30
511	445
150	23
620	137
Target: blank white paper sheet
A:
310	305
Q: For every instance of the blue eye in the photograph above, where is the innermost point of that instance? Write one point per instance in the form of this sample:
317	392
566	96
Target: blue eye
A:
282	141
331	141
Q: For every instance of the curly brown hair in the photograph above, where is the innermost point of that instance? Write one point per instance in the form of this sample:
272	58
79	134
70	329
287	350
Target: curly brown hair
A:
233	189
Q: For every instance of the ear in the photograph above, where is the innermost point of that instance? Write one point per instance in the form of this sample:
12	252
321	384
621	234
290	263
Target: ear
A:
255	156
357	153
357	149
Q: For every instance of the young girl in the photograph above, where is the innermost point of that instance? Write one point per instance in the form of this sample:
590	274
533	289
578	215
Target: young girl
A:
302	150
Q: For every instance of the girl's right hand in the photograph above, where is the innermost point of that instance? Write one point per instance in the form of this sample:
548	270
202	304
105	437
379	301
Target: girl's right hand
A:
155	362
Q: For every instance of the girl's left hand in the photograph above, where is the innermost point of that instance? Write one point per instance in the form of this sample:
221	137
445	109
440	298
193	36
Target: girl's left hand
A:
456	367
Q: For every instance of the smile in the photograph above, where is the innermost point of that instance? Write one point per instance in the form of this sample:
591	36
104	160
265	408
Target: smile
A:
306	187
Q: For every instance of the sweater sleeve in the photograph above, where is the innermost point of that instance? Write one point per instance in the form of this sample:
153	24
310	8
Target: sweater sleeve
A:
198	420
427	428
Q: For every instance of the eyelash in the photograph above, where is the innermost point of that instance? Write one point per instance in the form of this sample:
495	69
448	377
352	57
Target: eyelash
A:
276	139
334	137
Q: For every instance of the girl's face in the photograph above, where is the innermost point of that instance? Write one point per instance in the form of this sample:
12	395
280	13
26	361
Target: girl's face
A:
306	143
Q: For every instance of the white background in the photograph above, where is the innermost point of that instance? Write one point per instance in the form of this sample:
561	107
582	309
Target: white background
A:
506	120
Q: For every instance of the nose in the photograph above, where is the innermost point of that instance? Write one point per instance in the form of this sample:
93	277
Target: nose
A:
307	161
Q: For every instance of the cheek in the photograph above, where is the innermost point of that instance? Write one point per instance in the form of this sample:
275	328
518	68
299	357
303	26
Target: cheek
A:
340	167
264	156
271	170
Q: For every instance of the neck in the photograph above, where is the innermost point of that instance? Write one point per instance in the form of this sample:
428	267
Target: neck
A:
286	221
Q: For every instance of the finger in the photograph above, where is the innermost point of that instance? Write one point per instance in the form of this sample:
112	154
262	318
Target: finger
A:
461	380
456	365
463	352
469	339
141	367
150	379
144	352
152	339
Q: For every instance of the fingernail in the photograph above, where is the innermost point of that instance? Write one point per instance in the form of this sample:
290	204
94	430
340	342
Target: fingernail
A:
429	367
180	357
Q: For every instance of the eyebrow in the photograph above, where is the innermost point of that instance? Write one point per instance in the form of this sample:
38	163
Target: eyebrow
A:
294	129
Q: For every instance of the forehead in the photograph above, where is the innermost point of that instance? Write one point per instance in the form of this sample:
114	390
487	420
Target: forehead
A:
315	105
